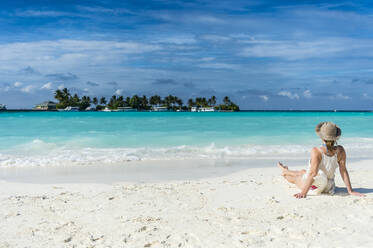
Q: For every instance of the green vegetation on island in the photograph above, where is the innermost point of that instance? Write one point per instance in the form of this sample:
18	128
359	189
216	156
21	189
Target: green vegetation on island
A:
202	102
142	103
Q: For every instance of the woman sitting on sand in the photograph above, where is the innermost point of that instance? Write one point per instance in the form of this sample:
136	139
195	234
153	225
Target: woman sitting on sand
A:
319	178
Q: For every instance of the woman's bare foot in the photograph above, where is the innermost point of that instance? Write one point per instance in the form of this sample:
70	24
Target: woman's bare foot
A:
283	168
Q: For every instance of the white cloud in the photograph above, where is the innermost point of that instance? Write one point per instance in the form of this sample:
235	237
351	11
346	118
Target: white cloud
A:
307	94
27	89
69	54
210	19
118	92
295	50
42	13
341	96
99	9
289	94
178	40
206	19
215	38
366	96
47	86
218	66
5	88
188	18
207	59
264	98
18	84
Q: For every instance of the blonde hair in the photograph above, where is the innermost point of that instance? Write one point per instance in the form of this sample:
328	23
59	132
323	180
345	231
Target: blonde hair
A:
329	144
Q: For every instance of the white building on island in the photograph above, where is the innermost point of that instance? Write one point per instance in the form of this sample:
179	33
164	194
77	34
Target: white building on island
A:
159	109
47	105
125	109
202	109
207	109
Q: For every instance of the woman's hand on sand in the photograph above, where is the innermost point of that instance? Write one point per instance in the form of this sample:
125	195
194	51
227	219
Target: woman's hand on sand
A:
300	195
356	194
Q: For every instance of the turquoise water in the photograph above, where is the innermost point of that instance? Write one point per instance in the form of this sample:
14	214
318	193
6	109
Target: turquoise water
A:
41	138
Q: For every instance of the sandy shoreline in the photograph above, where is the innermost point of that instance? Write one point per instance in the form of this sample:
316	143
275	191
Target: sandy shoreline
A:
247	208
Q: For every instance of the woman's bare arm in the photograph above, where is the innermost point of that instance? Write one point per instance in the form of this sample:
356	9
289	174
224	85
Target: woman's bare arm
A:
314	169
344	173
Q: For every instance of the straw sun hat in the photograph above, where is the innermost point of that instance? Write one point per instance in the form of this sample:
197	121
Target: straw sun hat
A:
328	131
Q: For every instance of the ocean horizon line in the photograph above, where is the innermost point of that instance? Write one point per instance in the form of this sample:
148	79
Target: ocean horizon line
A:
243	110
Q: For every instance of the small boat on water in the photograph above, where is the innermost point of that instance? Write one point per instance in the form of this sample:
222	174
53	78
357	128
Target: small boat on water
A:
69	109
106	110
90	109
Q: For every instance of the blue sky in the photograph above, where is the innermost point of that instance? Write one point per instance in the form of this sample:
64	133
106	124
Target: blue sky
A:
263	54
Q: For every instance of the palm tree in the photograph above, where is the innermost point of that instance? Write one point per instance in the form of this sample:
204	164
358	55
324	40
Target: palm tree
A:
204	102
226	100
84	103
103	101
65	99
159	99
58	94
191	103
179	102
66	93
199	102
144	102
62	101
75	101
95	101
135	102
169	101
212	101
127	102
113	102
120	101
155	100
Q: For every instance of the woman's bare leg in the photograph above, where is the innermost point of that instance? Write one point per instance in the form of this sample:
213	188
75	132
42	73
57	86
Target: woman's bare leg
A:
287	172
290	179
294	177
297	180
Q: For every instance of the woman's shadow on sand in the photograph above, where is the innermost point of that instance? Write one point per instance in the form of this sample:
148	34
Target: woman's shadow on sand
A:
343	191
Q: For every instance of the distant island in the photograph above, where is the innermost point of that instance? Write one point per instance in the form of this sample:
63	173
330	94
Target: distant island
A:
72	102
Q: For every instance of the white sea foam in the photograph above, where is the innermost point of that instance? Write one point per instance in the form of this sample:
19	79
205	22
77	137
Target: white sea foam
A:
40	153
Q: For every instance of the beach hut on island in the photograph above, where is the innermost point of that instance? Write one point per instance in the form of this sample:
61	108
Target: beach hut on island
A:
47	105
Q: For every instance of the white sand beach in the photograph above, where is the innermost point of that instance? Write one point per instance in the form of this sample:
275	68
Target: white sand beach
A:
246	208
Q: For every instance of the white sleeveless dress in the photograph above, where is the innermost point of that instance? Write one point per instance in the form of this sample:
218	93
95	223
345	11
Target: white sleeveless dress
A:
324	180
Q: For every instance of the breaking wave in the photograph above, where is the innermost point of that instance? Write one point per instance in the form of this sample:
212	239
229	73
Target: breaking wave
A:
40	153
